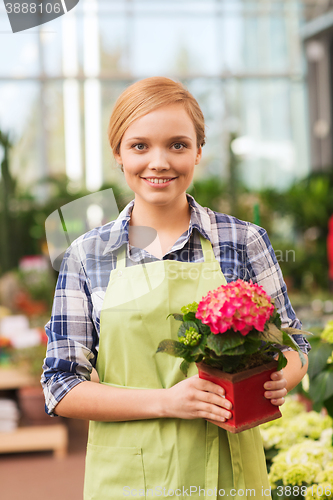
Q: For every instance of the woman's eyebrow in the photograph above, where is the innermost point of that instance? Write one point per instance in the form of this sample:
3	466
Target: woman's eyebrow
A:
180	137
175	138
136	139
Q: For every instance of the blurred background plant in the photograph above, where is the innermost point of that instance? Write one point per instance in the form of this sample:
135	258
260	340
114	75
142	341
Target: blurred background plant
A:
299	452
299	446
299	221
320	372
23	214
29	359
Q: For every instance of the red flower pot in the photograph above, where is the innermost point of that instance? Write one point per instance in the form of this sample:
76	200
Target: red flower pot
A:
245	390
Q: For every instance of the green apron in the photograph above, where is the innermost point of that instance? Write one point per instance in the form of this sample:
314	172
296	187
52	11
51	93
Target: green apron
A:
164	456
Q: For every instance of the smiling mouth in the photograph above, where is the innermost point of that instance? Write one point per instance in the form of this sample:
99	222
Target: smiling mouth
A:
158	180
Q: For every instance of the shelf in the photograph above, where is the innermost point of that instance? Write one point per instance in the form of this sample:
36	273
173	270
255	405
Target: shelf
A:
14	378
35	438
32	438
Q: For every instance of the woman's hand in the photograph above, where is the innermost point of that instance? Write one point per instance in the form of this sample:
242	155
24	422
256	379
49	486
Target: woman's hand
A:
276	388
197	398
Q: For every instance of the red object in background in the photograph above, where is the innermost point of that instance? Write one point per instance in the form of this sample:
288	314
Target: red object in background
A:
43	337
245	390
25	304
4	342
330	248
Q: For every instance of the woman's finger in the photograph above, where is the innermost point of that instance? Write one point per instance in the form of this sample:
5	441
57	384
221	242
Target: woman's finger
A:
277	381
275	394
209	397
213	413
275	386
208	386
211	393
208	409
277	402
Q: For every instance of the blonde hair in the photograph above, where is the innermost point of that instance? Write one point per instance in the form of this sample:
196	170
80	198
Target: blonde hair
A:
147	95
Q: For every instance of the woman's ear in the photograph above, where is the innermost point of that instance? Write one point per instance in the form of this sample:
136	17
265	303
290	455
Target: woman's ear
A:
199	155
118	158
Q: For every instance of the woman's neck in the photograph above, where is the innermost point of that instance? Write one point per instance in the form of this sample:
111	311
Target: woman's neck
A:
162	218
170	222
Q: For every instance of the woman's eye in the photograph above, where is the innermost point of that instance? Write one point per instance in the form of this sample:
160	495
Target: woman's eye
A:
179	145
139	147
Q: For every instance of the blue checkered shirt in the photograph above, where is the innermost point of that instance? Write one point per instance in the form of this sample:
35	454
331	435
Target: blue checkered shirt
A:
242	249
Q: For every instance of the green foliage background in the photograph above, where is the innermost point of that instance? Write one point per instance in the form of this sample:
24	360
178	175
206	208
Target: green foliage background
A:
306	206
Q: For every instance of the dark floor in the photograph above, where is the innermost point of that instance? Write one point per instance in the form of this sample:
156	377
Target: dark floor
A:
40	476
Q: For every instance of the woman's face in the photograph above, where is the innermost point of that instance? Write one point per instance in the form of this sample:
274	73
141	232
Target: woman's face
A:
158	152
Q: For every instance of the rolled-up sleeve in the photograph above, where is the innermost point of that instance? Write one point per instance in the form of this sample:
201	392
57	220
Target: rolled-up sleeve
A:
263	268
71	332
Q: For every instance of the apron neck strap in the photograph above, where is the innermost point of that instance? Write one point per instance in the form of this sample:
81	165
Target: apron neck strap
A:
207	249
121	257
206	246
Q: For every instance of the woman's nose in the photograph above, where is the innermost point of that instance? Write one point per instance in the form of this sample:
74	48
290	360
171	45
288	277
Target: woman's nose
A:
159	160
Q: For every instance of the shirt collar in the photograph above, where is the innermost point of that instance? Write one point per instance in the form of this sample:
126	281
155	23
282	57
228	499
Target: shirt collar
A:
200	220
119	230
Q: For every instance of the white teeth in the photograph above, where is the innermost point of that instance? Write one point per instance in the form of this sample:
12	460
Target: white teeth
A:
158	181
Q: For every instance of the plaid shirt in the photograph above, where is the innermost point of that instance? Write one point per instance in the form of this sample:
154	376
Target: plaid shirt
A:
242	249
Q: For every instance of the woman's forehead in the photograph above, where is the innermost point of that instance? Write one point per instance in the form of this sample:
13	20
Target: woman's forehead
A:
173	116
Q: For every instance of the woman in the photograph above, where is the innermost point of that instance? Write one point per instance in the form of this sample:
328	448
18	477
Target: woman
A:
149	431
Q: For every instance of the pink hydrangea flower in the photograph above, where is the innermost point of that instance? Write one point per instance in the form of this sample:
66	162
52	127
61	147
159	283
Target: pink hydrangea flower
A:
239	305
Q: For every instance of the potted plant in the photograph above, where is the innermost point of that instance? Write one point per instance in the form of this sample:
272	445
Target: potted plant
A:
233	335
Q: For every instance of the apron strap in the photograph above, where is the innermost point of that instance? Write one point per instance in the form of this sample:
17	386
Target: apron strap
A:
207	250
206	246
237	462
121	257
212	459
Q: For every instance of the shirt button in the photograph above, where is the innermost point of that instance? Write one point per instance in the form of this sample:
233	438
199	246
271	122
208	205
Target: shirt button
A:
120	273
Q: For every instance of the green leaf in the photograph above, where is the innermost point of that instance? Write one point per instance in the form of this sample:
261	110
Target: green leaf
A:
173	348
186	326
181	330
184	366
296	331
191	324
200	348
321	387
235	351
290	342
222	342
328	403
190	316
252	345
226	363
204	329
272	334
178	317
282	361
318	358
215	343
